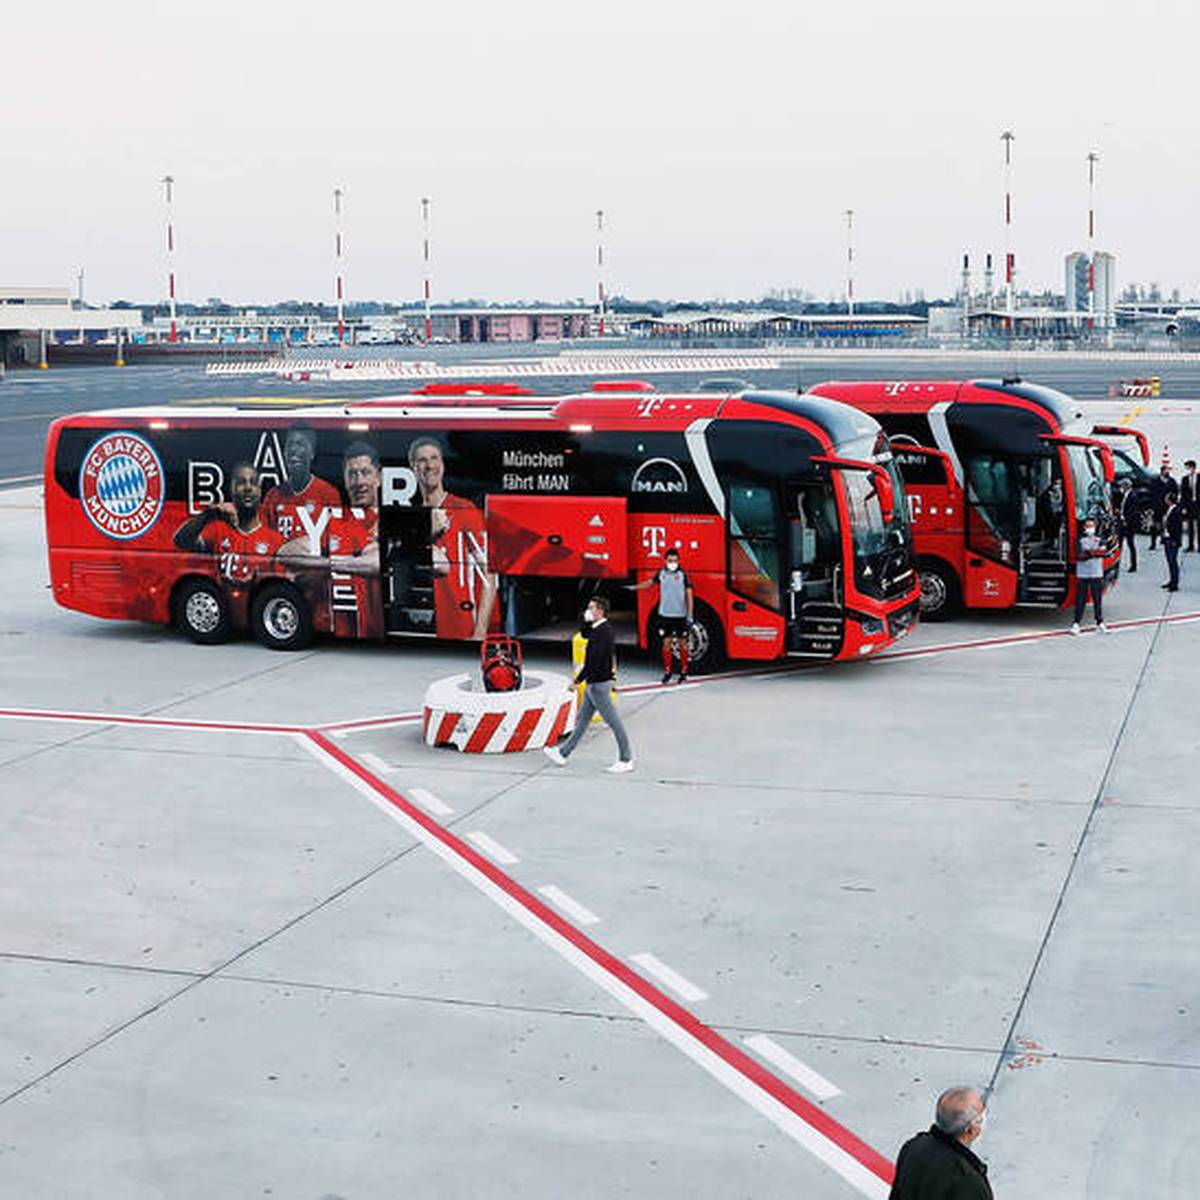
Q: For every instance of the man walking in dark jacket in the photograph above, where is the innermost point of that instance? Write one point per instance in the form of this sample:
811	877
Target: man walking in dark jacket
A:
1189	502
597	674
940	1164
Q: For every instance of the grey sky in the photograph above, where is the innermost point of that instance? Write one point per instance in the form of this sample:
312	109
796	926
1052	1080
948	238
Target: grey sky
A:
724	142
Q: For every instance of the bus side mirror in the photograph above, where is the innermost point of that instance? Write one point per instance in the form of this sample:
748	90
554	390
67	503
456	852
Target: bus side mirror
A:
886	493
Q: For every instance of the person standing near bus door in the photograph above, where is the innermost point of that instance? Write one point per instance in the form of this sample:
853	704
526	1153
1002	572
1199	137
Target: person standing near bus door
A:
597	673
1163	489
1089	575
1189	502
1127	518
675	613
1172	535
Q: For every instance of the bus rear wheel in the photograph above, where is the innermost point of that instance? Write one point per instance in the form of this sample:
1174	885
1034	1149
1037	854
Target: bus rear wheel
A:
939	592
280	618
202	612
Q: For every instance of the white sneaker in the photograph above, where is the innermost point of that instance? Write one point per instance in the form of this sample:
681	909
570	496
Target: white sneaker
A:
555	755
620	767
1103	628
1074	629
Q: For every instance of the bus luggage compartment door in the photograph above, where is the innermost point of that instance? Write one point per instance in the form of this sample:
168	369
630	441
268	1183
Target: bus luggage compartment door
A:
561	537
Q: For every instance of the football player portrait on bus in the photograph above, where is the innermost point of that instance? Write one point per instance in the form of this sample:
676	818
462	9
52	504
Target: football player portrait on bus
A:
464	589
344	542
233	529
300	488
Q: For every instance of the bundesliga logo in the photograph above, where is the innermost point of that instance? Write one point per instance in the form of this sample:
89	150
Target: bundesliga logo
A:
121	485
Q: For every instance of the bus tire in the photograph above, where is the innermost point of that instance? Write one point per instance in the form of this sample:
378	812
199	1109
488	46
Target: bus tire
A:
201	610
280	617
940	596
706	641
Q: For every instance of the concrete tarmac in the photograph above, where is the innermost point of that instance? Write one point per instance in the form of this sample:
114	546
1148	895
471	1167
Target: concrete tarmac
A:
232	967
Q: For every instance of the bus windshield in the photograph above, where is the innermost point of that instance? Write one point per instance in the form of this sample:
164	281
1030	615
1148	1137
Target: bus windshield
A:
1087	478
882	552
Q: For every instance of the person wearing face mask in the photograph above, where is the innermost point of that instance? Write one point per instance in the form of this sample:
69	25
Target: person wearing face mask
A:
1172	535
940	1164
1089	575
597	674
674	613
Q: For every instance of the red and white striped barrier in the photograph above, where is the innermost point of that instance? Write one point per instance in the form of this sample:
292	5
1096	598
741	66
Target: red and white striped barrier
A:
458	712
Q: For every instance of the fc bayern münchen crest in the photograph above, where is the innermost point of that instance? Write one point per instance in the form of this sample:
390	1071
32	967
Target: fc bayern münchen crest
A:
121	485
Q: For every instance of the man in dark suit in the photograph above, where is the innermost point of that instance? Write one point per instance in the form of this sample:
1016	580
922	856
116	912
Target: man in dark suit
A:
1126	508
1172	534
1189	501
940	1164
1162	488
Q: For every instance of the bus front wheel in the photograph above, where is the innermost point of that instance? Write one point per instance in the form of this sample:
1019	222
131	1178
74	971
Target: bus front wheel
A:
706	641
939	592
202	612
280	618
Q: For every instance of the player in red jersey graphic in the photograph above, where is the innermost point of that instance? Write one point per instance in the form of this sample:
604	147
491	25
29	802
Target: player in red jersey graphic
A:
344	542
300	487
233	530
463	587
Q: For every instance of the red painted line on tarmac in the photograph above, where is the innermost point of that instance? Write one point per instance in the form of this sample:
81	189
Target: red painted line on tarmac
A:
1041	635
813	1116
371	722
43	714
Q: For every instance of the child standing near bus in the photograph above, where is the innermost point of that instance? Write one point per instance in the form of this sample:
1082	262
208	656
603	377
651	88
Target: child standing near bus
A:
675	607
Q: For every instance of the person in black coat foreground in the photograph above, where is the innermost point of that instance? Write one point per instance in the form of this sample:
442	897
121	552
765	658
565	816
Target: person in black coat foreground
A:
940	1164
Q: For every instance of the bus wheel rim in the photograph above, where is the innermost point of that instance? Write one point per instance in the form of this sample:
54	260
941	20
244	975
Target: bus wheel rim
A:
280	618
933	591
698	640
203	612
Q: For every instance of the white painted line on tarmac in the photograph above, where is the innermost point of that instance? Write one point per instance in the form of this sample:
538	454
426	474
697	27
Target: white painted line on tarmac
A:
684	988
429	802
844	1153
376	763
492	848
567	904
812	1081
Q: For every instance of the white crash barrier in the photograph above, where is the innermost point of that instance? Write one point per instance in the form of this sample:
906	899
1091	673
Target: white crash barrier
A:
458	712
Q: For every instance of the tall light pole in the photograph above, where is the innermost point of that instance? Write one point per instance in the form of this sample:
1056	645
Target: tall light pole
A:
169	184
428	311
600	266
1007	137
337	264
850	262
1092	159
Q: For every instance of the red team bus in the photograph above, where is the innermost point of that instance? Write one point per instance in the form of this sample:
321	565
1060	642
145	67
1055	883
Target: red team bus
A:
464	510
999	475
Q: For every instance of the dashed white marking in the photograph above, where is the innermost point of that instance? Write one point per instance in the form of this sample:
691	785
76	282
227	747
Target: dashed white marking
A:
567	904
684	988
338	734
492	848
429	802
376	763
812	1081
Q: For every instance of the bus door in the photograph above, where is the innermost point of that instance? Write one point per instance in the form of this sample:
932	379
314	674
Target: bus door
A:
754	565
406	565
814	598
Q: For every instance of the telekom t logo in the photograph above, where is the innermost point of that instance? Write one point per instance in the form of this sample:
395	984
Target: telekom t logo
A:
654	538
649	406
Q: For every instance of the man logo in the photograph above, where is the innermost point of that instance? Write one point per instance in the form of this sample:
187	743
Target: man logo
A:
121	485
659	476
